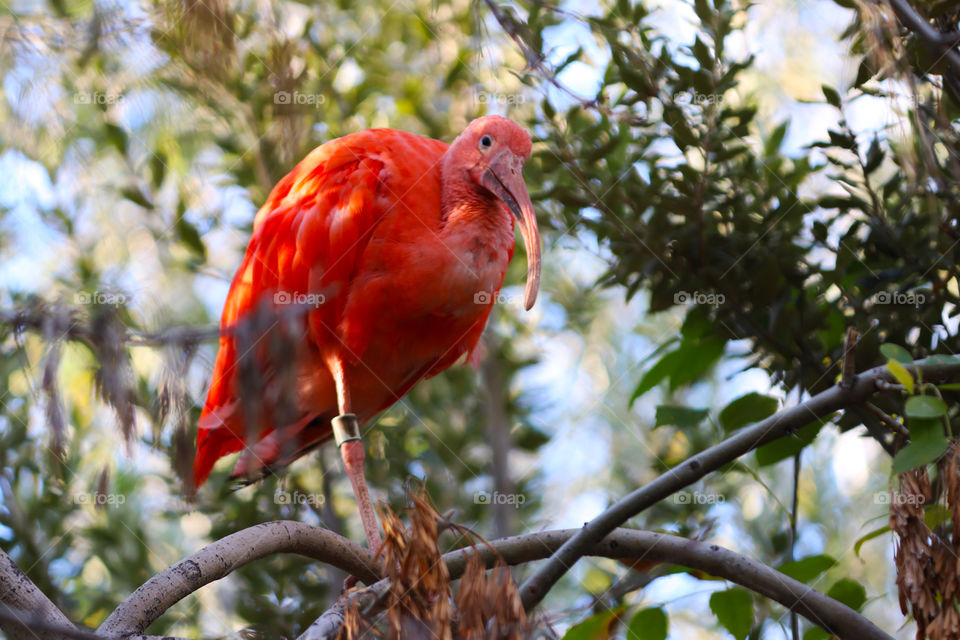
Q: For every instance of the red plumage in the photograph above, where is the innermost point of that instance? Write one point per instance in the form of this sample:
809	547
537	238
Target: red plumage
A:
397	244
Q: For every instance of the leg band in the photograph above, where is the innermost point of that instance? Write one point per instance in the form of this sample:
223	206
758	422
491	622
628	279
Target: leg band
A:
346	427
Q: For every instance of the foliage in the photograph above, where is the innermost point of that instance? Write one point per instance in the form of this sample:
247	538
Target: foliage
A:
696	199
160	129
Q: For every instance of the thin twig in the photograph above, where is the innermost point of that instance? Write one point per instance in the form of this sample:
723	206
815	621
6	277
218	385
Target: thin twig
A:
848	368
77	329
884	417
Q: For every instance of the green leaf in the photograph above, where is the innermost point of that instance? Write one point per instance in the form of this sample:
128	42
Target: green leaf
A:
570	59
683	135
679	416
941	358
874	156
820	232
831	94
703	11
658	372
686	363
134	194
117	137
816	633
934	515
697	324
648	624
695	359
838	202
528	438
919	452
864	72
746	409
806	569
788	446
901	374
734	610
773	143
849	592
876	533
188	235
892	185
600	626
925	407
158	169
841	139
702	53
896	352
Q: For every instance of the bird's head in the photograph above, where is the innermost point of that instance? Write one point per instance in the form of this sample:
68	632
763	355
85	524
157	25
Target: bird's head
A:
492	151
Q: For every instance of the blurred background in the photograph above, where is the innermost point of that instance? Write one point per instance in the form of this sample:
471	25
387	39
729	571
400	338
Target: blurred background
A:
723	189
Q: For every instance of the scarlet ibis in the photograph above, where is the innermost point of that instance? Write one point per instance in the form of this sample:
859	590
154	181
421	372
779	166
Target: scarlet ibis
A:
398	244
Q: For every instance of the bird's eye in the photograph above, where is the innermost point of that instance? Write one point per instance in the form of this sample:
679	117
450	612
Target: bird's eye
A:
485	143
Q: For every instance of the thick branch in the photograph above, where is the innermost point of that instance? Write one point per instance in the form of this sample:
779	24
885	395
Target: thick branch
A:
27	614
225	556
939	42
943	43
39	627
834	617
19	593
783	423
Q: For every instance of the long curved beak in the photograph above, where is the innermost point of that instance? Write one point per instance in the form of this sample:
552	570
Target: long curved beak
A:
504	179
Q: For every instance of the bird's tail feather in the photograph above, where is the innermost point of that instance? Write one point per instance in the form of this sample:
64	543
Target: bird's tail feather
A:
213	442
277	449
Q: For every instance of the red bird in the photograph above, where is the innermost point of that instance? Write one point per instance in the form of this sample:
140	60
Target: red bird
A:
398	245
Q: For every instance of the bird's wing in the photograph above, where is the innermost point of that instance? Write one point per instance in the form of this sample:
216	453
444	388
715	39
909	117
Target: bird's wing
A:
308	239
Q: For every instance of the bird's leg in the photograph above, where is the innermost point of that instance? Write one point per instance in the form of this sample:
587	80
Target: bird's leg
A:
346	431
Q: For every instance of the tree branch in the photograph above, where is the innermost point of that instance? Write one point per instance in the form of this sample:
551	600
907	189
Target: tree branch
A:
38	627
833	616
225	556
788	421
943	43
18	593
498	433
70	325
328	626
27	614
